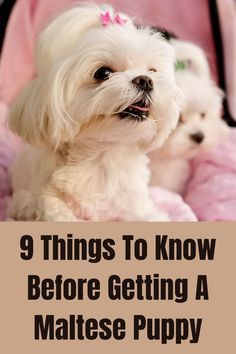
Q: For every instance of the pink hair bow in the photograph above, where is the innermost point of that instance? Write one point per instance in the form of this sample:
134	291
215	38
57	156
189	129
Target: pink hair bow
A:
108	20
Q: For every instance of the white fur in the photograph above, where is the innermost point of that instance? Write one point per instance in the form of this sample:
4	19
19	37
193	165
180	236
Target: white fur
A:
87	163
193	56
170	165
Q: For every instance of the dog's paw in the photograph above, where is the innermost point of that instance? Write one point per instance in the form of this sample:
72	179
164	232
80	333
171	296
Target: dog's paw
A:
20	207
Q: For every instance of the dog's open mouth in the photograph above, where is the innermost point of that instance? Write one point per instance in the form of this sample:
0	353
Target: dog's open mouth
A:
137	111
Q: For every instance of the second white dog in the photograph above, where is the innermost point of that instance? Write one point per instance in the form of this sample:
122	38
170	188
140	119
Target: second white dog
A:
200	126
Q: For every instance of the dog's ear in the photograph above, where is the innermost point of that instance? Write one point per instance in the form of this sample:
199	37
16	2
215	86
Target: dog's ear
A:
40	115
198	66
193	57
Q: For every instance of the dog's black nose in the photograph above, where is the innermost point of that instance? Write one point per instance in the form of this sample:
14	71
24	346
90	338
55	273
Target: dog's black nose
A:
197	137
143	82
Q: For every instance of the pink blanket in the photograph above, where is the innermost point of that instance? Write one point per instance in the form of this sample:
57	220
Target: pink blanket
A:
211	191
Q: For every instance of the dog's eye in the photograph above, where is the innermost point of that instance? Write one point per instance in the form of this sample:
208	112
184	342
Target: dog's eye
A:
152	70
203	115
102	73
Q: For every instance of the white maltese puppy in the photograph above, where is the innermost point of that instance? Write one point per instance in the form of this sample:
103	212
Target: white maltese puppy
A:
200	126
105	95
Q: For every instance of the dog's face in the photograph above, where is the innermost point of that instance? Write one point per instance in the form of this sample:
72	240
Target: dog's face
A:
200	125
112	83
126	90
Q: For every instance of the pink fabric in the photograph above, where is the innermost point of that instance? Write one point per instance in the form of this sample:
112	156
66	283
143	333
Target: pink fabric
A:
211	192
228	24
172	204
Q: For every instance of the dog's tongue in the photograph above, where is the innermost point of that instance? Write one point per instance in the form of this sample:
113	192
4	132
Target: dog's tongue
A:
138	108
